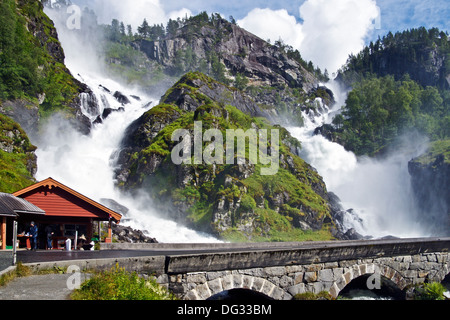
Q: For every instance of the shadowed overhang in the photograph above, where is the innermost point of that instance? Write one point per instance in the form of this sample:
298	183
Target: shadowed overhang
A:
11	206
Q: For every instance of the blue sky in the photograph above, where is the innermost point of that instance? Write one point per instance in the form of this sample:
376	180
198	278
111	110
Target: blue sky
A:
396	15
324	31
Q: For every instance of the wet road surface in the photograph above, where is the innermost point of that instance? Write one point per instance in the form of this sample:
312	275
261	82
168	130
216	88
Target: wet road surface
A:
62	255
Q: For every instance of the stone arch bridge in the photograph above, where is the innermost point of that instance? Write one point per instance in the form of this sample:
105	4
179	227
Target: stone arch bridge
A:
310	267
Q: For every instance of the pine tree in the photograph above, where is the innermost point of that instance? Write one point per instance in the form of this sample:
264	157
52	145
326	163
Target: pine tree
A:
115	30
144	29
129	31
122	28
172	27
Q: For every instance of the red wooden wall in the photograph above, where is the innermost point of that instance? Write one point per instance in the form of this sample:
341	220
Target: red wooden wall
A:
57	202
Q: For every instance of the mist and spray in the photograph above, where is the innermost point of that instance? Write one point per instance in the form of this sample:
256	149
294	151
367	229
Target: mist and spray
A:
376	193
86	162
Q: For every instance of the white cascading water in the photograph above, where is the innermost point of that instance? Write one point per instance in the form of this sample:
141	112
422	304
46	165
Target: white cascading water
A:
378	191
85	163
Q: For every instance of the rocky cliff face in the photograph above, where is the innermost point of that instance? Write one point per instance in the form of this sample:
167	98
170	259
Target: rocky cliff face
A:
239	50
430	178
275	77
429	72
279	87
24	112
227	200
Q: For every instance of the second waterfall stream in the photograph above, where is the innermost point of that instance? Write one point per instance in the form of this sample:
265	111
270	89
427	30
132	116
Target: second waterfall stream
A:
376	193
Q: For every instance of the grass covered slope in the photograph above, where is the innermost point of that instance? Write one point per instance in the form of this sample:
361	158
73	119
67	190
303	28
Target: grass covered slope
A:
232	201
32	57
118	284
17	158
438	151
32	69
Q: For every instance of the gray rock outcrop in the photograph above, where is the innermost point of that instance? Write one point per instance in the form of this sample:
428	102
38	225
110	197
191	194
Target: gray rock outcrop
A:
239	50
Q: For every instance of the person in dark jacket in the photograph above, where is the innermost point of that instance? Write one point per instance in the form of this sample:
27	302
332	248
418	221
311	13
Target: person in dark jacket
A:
49	232
33	235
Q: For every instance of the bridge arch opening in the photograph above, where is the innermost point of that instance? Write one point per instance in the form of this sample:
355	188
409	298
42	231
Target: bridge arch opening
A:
240	295
446	283
372	287
230	286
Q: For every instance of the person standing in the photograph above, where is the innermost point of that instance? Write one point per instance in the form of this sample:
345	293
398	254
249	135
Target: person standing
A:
33	235
49	232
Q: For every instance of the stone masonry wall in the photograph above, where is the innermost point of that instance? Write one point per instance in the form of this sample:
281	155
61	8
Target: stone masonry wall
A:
282	283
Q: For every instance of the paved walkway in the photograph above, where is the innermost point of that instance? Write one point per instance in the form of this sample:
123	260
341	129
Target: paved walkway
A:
38	287
43	287
5	259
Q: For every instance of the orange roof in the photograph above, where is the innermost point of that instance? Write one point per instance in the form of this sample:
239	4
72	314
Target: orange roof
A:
51	183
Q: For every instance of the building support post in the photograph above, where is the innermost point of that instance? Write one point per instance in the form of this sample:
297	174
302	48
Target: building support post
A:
90	229
14	243
3	233
109	238
109	230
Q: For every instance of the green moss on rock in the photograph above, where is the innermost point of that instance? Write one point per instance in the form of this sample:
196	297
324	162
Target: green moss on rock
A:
17	158
437	149
229	200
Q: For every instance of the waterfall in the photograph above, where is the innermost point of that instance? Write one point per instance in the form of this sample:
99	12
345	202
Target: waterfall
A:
89	105
375	192
86	162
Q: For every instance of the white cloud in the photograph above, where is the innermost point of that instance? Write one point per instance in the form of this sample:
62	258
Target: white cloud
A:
334	29
182	13
331	29
273	25
134	12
